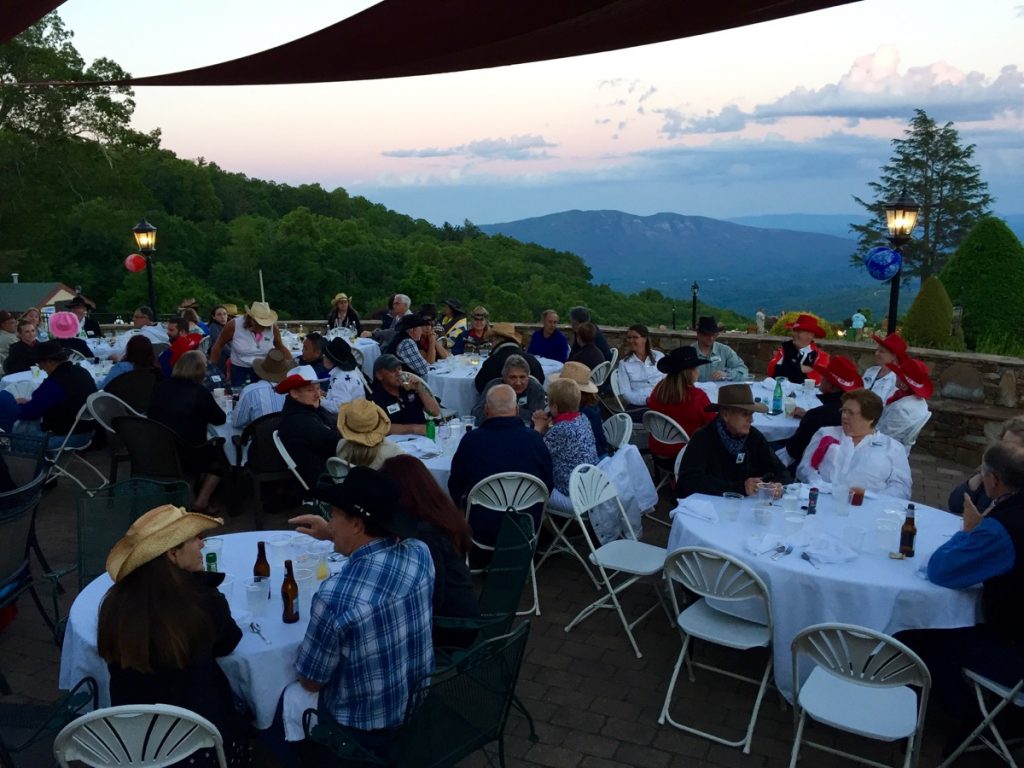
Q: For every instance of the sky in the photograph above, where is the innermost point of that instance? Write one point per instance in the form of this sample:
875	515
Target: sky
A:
795	115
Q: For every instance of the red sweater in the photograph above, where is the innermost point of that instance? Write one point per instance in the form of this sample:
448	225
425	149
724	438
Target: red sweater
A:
689	414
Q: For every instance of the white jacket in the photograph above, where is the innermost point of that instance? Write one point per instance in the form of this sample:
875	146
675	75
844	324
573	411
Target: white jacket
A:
637	378
881	381
878	463
903	419
345	387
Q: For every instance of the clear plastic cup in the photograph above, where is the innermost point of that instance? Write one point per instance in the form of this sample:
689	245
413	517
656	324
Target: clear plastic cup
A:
887	533
765	493
257	595
469	422
853	537
791	498
279	549
841	499
215	545
763	515
306	579
792	523
227	588
731	503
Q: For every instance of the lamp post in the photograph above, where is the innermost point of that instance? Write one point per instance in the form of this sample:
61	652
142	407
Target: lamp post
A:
693	308
145	239
900	220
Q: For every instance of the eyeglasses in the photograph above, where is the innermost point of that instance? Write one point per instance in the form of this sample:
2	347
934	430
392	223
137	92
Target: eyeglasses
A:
849	412
479	317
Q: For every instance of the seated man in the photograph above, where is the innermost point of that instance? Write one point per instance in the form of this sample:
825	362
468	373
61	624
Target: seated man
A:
501	443
54	406
729	455
549	342
346	381
795	359
529	394
308	431
577	317
260	397
988	551
1012	433
144	322
838	377
399	308
907	409
405	344
402	396
506	342
368	642
81	308
313	354
880	379
182	341
723	363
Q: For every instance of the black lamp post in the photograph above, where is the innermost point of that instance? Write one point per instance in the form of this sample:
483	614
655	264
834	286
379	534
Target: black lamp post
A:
693	308
900	220
145	239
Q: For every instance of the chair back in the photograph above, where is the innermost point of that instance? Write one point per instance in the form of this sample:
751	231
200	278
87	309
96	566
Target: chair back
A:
105	407
287	459
159	347
600	373
679	462
912	437
589	487
337	469
505	492
615	357
262	457
24	454
17	508
714	574
618	428
665	429
152	448
135	388
505	576
74	355
861	655
617	391
137	735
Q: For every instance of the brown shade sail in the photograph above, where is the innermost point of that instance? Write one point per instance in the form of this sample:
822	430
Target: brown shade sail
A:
18	15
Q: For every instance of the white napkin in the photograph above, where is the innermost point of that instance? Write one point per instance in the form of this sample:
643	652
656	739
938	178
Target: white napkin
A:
296	701
761	543
698	508
828	549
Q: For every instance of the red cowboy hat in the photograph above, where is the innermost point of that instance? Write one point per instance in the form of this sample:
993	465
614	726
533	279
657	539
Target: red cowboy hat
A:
807	323
299	377
914	374
842	372
894	343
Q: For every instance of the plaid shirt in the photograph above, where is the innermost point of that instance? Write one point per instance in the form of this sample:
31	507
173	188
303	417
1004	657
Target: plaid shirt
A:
368	640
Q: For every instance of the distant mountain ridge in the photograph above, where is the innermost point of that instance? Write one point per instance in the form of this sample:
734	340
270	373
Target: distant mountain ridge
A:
838	224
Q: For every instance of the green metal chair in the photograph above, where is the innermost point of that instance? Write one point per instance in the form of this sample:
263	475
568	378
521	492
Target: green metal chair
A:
17	512
24	725
454	712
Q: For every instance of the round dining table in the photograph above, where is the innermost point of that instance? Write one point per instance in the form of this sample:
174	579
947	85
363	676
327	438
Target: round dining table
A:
859	585
453	380
258	669
774	427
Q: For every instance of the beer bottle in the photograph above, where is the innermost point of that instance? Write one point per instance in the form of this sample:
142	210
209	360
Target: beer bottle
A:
262	565
908	533
290	595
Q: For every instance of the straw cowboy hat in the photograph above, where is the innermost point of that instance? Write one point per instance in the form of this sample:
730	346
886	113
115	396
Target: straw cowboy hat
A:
737	396
842	372
506	331
64	325
370	495
298	377
231	309
274	367
807	323
361	421
894	343
188	304
159	530
577	372
914	374
340	297
261	312
679	359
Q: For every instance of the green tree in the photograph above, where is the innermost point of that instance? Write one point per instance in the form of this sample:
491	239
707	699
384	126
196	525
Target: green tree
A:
937	171
929	320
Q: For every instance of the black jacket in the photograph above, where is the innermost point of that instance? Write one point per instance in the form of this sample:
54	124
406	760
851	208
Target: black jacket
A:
491	367
825	415
77	384
20	357
351	320
708	468
599	340
454	596
186	408
1000	597
78	345
311	437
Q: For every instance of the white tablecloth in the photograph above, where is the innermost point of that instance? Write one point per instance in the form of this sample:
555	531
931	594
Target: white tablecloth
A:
872	590
774	428
23	384
453	380
257	672
370	350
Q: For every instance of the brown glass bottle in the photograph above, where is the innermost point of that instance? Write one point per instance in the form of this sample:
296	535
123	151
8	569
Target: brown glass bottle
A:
262	566
908	532
289	595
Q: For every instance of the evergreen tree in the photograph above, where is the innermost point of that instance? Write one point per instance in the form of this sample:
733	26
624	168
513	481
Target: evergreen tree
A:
935	169
930	319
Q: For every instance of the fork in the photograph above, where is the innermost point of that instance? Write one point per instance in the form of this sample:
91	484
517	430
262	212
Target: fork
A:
809	559
257	629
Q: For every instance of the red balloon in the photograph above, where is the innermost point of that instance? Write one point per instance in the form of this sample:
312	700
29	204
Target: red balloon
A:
135	262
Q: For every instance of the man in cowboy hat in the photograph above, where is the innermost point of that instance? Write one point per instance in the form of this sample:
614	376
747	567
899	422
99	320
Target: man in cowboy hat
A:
879	378
81	308
839	376
795	359
54	406
369	636
405	345
506	342
515	372
906	410
402	396
729	455
308	431
346	382
260	397
723	363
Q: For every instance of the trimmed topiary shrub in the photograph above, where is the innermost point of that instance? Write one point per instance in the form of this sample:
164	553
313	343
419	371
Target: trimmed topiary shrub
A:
986	277
930	319
780	329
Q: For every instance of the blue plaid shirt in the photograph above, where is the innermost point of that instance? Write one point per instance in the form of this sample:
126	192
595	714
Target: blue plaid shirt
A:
368	640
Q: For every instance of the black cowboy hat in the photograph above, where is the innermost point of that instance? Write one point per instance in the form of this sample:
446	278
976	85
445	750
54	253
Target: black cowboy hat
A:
707	324
679	359
370	495
339	352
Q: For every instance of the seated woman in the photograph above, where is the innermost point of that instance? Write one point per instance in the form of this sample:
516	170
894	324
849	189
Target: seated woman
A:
342	315
21	354
477	335
588	402
163	625
678	398
880	378
906	410
185	406
363	426
446	533
855	453
453	322
138	356
568	436
405	344
1011	433
587	351
638	372
64	327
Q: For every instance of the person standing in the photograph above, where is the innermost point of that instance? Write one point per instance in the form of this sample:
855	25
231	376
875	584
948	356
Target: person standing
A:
759	318
857	323
80	307
247	337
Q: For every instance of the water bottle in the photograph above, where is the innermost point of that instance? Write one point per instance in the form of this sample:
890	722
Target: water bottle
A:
431	430
777	396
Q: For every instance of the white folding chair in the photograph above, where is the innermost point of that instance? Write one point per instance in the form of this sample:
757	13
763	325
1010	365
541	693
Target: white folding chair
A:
912	437
861	683
1004	697
72	452
618	428
615	357
508	493
338	469
137	735
678	463
628	558
600	372
287	459
716	575
74	356
667	431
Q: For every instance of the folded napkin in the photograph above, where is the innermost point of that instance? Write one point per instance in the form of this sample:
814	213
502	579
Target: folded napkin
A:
296	701
828	549
761	543
698	508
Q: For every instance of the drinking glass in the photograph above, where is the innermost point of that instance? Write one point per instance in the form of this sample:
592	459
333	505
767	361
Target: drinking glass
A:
213	544
763	515
279	548
227	588
809	386
856	495
257	595
306	579
469	422
731	506
765	493
792	523
841	499
887	533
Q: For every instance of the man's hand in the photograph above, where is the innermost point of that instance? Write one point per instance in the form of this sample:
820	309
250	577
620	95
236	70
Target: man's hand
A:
798	412
541	421
806	369
414	383
719	375
312	525
750	485
972	517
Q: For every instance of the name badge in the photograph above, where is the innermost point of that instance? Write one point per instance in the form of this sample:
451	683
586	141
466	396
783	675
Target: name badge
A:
741	457
522	401
394	408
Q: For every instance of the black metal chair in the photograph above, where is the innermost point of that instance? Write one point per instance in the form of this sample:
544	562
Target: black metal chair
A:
262	462
24	725
17	513
24	457
105	407
134	388
153	449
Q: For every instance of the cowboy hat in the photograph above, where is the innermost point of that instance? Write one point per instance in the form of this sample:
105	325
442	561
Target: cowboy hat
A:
339	352
842	372
159	530
274	367
340	297
679	359
455	305
364	422
707	324
64	325
261	312
914	373
231	309
506	331
415	320
79	301
807	323
49	350
737	396
577	372
188	304
370	495
298	377
894	343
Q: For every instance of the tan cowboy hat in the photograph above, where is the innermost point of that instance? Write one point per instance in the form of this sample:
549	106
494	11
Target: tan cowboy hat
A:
363	422
274	367
506	331
340	297
737	396
231	309
158	531
577	372
261	312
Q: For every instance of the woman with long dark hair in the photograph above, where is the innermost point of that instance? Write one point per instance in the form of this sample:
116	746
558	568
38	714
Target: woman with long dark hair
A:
138	356
678	397
638	372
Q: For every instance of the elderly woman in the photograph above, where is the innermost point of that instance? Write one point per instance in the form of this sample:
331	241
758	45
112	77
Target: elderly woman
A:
1011	433
855	453
139	355
363	426
677	397
568	436
406	344
906	410
589	406
342	315
638	372
247	337
549	342
729	454
587	351
163	625
477	335
21	355
880	378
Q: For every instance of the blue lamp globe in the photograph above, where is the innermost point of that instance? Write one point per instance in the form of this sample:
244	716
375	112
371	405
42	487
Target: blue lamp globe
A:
883	263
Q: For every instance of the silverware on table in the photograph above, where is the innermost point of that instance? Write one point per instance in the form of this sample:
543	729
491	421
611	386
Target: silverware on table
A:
778	549
256	629
787	550
809	559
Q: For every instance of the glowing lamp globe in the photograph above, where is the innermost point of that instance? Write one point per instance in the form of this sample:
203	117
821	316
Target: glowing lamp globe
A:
883	263
135	262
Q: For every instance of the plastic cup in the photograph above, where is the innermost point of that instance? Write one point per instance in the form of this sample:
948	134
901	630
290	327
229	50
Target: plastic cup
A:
792	523
789	406
791	498
227	588
763	515
856	496
36	371
765	493
469	422
809	385
887	533
257	595
853	537
218	393
731	503
841	499
213	544
306	579
279	549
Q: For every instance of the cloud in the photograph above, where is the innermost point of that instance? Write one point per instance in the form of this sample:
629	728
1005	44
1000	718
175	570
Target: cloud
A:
874	88
627	95
527	147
